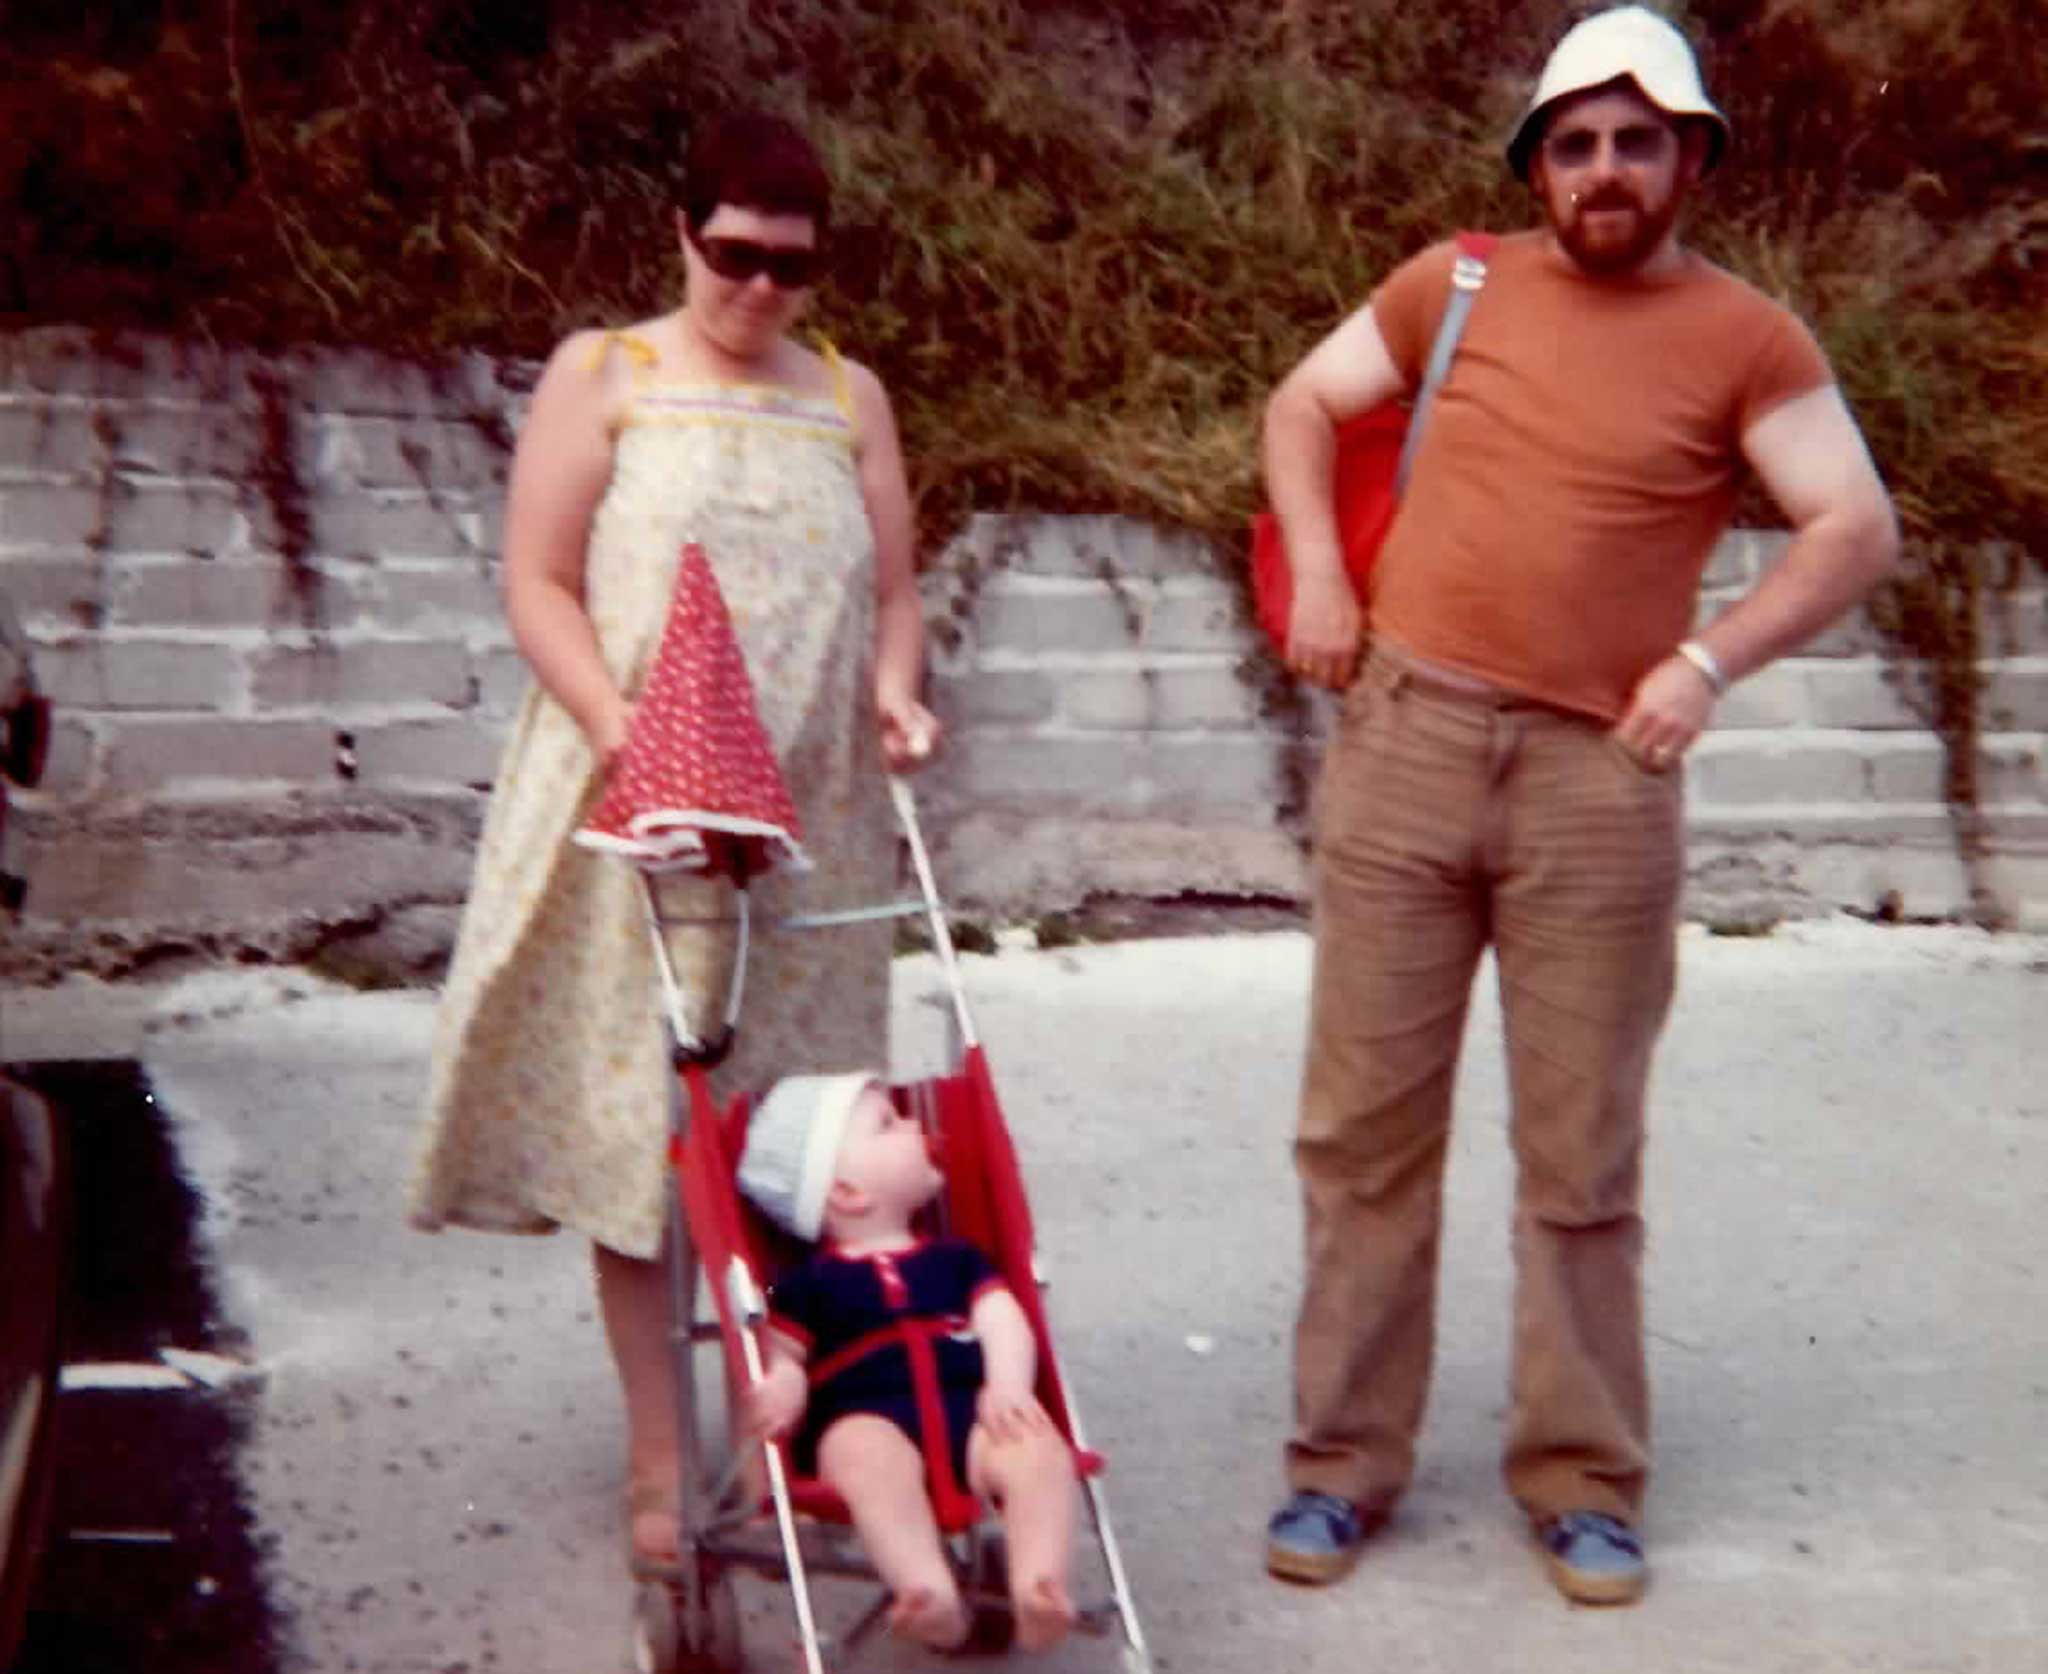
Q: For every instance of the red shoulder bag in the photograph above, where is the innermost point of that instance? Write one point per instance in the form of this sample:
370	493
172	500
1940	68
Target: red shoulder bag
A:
1374	453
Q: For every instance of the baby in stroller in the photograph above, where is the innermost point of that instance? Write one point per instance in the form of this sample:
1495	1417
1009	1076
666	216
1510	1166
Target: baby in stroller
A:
831	1160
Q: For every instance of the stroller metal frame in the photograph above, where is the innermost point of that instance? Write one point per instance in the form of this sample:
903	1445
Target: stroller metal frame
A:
688	1618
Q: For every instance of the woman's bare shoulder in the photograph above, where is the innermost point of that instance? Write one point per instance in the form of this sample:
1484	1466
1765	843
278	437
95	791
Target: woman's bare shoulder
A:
590	375
811	371
862	384
577	360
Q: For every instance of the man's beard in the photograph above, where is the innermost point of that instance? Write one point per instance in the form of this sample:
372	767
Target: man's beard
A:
1607	252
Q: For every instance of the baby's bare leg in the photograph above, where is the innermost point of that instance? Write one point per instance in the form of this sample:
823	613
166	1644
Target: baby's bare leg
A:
879	1472
1032	1480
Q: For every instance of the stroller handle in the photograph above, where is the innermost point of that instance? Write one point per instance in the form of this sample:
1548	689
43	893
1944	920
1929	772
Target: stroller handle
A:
905	802
692	1050
747	1304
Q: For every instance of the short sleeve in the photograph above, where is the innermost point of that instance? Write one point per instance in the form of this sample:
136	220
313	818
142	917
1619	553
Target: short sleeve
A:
1408	306
793	1305
1788	363
973	1272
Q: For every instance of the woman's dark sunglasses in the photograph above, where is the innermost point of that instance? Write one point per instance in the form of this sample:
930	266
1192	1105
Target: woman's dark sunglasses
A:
790	267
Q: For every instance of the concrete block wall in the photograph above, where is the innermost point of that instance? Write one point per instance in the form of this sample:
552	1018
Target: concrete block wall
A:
1821	785
1118	725
1114	725
263	596
263	601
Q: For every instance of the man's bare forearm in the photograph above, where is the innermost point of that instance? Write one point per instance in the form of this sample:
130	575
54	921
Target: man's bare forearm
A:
1300	455
1831	565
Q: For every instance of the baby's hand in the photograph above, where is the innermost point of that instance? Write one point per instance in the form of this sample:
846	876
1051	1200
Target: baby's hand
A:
1009	1414
776	1403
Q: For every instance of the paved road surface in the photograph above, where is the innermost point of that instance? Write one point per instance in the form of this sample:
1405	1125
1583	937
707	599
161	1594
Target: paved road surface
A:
1849	1198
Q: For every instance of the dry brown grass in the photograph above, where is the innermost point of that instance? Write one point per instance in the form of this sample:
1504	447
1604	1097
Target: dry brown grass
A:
1079	245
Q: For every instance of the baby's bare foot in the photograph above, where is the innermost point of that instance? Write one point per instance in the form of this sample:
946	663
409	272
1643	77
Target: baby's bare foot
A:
932	1620
1044	1612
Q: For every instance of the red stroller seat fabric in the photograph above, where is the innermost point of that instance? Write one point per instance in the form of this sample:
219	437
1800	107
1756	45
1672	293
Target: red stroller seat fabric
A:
696	787
983	1201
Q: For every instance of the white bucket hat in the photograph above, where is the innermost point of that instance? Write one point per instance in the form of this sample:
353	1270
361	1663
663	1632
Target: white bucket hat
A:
792	1149
1629	43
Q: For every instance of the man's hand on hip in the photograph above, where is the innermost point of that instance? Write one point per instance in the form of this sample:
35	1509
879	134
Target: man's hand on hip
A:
1671	707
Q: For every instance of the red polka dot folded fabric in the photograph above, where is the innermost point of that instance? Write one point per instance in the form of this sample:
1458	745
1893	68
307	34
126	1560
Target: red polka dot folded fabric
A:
696	787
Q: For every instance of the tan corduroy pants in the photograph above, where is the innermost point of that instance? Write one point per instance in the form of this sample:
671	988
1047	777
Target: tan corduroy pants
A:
1450	816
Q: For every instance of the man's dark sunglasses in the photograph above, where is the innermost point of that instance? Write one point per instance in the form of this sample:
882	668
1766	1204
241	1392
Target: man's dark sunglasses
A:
1639	143
791	267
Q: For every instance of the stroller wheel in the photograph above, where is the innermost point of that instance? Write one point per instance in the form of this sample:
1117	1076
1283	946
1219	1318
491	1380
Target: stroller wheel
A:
663	1640
992	1625
657	1633
717	1646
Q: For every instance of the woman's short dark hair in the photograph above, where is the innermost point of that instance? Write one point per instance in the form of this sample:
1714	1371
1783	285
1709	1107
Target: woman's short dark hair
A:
752	160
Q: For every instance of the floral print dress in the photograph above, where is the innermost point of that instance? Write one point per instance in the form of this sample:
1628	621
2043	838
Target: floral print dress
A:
549	1093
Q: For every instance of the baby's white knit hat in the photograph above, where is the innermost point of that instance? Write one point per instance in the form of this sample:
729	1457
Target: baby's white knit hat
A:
792	1150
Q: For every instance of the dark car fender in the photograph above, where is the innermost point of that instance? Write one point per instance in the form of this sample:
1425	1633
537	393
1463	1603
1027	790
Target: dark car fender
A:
34	1230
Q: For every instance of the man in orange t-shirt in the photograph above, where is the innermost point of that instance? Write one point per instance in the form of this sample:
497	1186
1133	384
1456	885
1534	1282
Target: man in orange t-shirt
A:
1506	771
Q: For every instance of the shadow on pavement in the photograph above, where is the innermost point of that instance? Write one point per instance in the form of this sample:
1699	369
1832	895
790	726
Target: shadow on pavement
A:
151	1567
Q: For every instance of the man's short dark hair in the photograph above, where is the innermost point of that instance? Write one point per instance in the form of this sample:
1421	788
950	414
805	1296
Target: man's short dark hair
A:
752	160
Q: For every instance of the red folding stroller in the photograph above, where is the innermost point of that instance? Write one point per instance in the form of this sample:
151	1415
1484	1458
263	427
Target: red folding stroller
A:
689	1619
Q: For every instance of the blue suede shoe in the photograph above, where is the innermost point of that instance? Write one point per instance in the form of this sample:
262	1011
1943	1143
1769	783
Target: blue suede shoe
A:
1594	1558
1314	1538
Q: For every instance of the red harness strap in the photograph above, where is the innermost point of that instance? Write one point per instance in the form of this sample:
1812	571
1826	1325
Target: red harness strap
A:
949	1494
896	1332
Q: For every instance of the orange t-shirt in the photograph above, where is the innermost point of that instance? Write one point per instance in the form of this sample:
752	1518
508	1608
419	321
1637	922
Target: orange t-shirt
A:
1580	461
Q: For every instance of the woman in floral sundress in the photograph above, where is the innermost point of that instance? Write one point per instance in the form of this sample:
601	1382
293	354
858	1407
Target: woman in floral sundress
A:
549	1091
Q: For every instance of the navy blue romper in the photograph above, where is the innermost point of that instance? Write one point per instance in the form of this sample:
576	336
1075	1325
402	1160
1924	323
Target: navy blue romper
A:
832	1302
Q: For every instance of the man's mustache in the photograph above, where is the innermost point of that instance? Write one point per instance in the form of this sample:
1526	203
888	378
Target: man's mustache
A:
1609	197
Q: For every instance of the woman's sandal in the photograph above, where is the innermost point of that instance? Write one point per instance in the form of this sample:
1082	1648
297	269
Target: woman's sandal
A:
646	1501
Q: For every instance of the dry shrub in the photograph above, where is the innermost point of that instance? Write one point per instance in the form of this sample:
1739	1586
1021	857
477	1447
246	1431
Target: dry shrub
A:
1079	244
